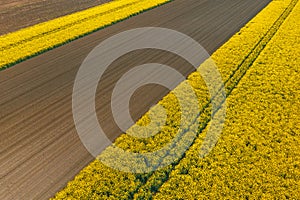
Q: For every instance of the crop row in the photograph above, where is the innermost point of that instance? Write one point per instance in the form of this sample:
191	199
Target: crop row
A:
25	43
99	181
230	84
257	156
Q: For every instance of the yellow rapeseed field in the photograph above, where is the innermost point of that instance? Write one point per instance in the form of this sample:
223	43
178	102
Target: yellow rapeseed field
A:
242	135
258	154
25	43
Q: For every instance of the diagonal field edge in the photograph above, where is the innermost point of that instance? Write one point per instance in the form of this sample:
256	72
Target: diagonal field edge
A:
30	38
10	64
230	84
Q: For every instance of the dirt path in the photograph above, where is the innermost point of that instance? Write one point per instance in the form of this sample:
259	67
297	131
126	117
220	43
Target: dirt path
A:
40	150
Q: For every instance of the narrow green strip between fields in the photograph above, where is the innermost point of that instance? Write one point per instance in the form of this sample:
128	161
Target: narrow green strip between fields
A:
26	43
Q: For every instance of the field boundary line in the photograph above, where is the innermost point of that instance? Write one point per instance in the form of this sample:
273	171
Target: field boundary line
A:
16	52
59	28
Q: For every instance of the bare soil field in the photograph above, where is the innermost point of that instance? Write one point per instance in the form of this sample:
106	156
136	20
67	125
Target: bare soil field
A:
40	150
17	14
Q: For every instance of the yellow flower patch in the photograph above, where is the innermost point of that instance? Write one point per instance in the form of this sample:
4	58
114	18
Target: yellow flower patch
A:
25	43
244	127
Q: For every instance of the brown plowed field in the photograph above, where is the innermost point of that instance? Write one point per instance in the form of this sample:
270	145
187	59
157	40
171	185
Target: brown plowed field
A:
40	150
17	14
